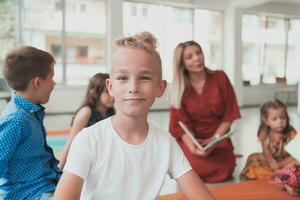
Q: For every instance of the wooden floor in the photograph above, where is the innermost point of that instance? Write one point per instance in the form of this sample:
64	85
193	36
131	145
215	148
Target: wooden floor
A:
244	140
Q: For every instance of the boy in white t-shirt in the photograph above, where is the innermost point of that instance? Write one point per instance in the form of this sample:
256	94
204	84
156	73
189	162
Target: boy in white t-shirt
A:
125	157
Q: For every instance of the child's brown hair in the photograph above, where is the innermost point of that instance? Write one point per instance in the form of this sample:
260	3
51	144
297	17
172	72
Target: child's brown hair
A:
24	63
264	112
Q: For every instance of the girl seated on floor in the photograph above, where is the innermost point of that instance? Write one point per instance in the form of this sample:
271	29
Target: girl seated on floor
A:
274	133
97	105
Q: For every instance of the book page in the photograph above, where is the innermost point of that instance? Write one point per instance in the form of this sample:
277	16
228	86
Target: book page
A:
190	134
218	140
210	144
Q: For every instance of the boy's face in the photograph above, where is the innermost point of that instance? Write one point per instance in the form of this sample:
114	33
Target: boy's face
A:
135	81
45	87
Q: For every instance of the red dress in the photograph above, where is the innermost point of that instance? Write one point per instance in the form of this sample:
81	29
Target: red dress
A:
203	114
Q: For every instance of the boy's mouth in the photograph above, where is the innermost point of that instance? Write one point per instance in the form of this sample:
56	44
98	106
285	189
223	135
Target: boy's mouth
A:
135	99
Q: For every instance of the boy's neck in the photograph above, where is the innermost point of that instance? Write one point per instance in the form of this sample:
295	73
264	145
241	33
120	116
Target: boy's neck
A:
132	130
27	95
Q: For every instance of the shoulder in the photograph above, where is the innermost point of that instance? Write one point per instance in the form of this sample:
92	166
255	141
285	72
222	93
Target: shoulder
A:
263	135
16	118
13	126
96	131
218	74
292	132
83	114
84	111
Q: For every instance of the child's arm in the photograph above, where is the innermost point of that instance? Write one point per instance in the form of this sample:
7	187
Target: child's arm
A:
69	187
10	137
80	121
268	156
288	161
193	187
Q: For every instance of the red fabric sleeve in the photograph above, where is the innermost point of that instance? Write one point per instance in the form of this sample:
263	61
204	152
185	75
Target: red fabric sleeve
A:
177	115
231	112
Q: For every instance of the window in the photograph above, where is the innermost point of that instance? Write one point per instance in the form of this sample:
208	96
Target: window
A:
269	49
82	8
86	42
56	50
7	32
41	26
165	22
133	10
83	51
57	6
145	12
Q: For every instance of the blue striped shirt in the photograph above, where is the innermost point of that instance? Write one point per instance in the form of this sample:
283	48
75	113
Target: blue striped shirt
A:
28	167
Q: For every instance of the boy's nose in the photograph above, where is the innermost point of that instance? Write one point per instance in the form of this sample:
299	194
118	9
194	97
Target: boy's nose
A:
133	87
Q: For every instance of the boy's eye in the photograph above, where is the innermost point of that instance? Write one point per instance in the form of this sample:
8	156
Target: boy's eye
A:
145	78
122	78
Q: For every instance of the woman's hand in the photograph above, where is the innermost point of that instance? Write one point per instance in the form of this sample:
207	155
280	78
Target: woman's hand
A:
191	146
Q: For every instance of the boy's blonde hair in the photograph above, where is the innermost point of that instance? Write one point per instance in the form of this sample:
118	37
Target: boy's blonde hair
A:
143	40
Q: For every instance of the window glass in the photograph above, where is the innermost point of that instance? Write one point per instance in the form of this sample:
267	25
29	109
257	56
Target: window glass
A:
274	47
251	46
7	32
172	25
293	58
40	24
270	46
86	40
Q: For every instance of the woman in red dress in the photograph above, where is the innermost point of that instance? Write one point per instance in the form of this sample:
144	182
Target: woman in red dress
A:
205	101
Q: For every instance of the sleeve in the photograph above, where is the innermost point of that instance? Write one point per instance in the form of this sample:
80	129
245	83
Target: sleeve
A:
179	164
79	159
231	111
10	137
177	115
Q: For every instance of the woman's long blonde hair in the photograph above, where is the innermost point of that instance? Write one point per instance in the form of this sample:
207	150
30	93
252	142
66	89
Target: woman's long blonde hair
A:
180	75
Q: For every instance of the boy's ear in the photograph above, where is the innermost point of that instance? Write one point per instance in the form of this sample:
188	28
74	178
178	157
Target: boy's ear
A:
109	86
36	82
162	87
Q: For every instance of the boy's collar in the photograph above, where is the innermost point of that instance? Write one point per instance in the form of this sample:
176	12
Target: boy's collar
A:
26	104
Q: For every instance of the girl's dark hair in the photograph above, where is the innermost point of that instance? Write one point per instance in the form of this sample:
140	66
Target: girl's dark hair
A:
264	112
95	88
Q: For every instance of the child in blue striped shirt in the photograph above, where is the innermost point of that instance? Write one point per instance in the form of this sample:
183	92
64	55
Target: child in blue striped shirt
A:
28	168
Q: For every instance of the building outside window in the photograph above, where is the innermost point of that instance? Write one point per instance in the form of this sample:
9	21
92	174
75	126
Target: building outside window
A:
40	24
172	25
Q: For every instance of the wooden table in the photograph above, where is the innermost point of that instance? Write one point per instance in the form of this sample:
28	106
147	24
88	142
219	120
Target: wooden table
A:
248	190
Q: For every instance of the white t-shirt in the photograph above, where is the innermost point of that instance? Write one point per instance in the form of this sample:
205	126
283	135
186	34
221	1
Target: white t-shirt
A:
114	169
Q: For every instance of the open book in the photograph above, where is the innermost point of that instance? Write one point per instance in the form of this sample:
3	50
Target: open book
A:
210	144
